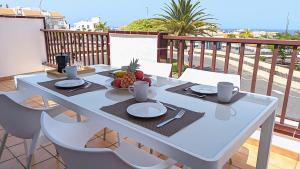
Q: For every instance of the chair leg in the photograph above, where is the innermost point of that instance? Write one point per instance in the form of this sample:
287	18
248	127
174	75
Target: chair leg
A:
45	100
32	148
4	138
78	117
29	160
118	138
104	133
26	147
151	151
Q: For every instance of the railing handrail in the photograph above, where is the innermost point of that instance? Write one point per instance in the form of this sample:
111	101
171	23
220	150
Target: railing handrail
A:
235	40
72	31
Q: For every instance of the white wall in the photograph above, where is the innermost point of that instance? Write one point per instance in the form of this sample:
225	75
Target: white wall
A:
22	46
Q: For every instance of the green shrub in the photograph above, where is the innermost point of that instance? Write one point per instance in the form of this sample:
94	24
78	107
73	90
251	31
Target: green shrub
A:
175	67
262	58
298	67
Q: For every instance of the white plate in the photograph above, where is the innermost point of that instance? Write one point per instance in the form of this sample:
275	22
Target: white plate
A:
146	110
69	83
204	89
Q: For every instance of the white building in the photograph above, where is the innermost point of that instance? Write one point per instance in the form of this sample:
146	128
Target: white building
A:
86	25
54	20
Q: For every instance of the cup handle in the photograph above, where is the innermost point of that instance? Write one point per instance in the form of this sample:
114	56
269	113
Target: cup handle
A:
63	70
236	91
131	89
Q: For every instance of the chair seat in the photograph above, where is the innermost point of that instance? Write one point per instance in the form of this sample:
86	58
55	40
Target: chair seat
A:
139	158
62	118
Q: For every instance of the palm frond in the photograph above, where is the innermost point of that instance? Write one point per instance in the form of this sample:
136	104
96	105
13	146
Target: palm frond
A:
182	17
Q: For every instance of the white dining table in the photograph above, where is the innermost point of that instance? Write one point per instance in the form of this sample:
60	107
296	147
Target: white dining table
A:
206	143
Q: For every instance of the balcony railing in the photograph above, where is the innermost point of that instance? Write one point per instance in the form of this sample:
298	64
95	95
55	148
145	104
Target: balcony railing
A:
89	47
93	48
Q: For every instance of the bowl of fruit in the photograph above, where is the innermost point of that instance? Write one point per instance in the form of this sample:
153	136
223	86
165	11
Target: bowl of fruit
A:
128	75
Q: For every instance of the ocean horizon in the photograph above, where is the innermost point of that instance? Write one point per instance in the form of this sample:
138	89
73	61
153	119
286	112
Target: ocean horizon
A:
292	31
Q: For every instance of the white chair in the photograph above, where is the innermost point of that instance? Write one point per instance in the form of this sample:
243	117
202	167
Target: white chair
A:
24	122
125	47
70	140
156	69
209	78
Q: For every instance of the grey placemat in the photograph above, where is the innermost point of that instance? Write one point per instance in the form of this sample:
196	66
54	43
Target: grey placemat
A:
107	73
120	110
212	98
50	85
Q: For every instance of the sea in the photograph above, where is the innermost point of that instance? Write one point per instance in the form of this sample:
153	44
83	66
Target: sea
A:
266	30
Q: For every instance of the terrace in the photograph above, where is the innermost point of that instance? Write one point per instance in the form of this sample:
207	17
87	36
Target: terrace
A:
93	48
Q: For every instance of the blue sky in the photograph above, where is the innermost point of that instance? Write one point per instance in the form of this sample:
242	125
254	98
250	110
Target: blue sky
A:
255	14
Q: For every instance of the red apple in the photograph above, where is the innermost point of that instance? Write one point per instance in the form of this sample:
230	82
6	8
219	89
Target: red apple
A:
139	75
147	79
117	83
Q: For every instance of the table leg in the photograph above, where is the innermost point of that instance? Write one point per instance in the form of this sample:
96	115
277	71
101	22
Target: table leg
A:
265	142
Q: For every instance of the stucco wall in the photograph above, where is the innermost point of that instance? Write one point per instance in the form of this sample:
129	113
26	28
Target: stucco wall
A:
22	46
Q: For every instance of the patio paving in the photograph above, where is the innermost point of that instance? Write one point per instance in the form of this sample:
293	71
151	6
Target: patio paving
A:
46	157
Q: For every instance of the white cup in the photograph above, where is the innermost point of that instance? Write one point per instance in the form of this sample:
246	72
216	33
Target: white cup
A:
71	71
226	91
139	91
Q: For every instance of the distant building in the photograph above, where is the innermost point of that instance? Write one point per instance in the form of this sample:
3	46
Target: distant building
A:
86	25
54	20
7	12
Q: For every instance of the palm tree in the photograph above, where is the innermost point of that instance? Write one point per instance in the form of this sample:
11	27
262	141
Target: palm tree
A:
246	34
231	35
101	26
184	17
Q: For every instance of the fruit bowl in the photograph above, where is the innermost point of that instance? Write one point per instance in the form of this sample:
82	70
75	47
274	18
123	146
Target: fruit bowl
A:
109	83
128	75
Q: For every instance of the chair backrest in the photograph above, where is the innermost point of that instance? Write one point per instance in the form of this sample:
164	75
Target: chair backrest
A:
156	69
209	78
18	120
70	138
19	96
125	47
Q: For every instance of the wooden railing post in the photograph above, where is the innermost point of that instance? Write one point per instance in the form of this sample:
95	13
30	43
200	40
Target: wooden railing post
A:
241	59
171	52
93	52
288	84
272	70
97	49
180	59
214	57
227	55
108	49
191	54
202	55
255	68
162	47
46	36
102	49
